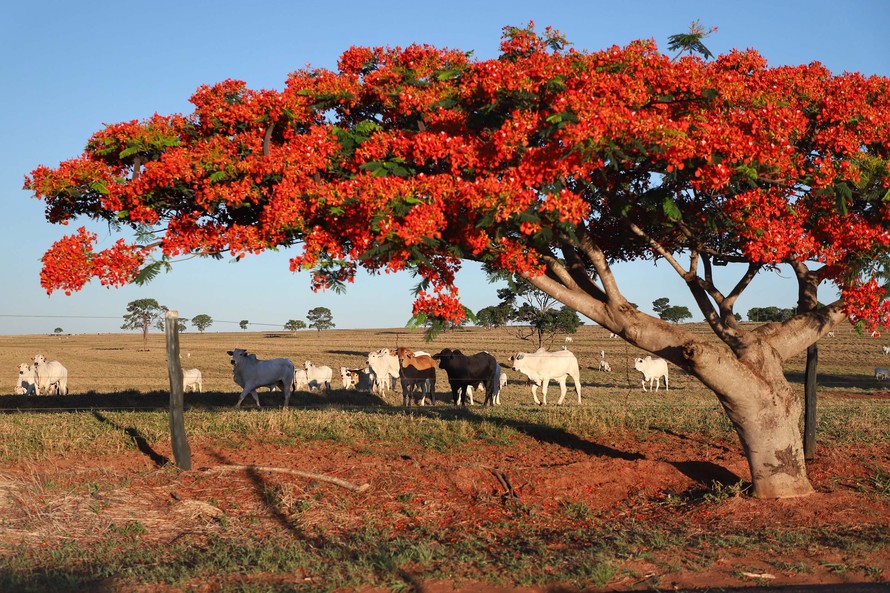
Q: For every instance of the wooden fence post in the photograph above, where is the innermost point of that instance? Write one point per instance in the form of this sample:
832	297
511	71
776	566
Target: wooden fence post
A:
181	451
809	421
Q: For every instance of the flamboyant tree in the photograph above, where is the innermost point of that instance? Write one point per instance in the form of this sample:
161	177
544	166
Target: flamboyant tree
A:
546	162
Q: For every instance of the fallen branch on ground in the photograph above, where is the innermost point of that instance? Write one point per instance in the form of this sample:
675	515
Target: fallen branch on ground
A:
297	472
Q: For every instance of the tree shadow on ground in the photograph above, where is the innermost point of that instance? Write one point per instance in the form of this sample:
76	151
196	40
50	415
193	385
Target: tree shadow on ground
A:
848	381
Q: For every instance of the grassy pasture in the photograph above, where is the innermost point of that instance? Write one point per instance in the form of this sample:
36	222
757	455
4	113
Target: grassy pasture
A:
82	513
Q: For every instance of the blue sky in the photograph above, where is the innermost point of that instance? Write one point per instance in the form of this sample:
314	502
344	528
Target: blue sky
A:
70	67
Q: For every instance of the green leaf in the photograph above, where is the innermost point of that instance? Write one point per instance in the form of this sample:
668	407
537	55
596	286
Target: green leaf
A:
150	272
671	210
128	152
842	195
98	186
217	176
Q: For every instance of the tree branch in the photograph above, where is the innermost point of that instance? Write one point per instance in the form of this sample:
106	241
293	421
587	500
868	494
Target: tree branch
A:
296	472
267	139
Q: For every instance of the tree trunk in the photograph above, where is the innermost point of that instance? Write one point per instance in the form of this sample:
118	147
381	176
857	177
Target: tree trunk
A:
772	442
765	412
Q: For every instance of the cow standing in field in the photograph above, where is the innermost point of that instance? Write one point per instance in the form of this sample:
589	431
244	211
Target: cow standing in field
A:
301	380
466	371
385	367
417	370
542	366
604	364
192	378
26	384
653	369
319	377
251	373
50	376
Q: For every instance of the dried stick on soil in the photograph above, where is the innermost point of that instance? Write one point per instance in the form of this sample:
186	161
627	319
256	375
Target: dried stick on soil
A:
509	492
297	472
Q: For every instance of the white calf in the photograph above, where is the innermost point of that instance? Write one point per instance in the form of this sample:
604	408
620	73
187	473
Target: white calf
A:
27	381
385	366
301	380
653	369
318	376
192	378
604	365
347	376
885	350
50	376
882	374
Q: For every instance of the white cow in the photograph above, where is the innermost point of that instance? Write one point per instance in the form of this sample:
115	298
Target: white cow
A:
542	366
385	366
347	376
250	373
301	380
885	350
318	376
882	374
481	386
50	376
604	364
26	384
653	369
192	378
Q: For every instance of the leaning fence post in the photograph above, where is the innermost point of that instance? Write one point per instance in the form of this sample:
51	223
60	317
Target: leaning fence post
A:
181	451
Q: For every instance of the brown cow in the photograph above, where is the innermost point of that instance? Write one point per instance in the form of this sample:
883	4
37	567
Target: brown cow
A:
416	370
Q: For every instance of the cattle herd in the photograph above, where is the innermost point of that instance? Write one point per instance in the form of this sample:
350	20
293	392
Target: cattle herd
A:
386	370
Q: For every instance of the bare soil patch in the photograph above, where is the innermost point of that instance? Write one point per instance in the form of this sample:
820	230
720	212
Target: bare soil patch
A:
666	481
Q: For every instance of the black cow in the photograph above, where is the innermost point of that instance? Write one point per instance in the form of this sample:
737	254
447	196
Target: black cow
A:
468	371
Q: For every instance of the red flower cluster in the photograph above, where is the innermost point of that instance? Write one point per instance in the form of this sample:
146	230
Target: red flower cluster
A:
418	157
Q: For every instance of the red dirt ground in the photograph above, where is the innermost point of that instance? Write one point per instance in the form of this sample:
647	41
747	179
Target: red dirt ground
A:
619	479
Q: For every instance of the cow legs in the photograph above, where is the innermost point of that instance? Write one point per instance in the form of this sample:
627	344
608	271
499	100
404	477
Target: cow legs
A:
535	393
562	390
431	391
244	393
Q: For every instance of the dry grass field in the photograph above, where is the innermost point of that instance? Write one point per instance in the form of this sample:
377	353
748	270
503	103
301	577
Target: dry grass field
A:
627	491
109	363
